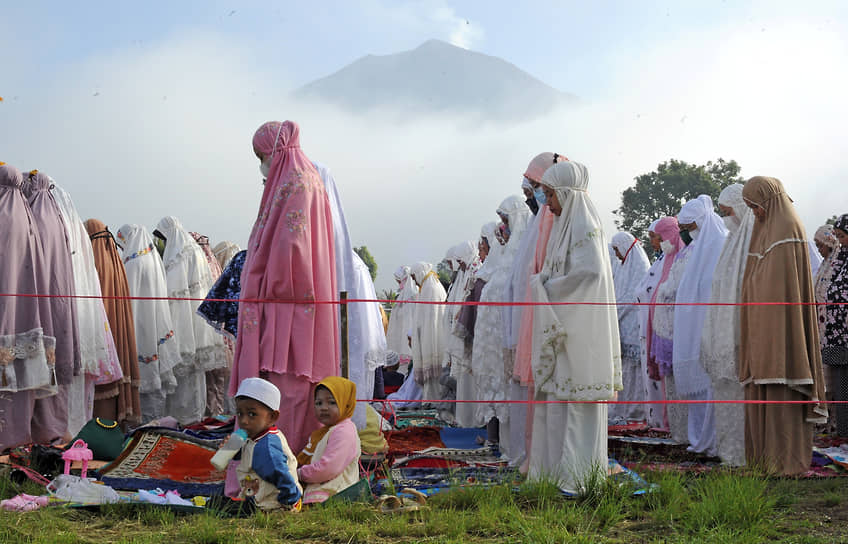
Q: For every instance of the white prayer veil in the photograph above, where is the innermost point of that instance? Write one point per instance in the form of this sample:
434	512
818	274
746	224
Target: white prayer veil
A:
690	380
366	336
627	279
188	275
224	251
720	338
427	326
157	346
400	319
576	348
490	265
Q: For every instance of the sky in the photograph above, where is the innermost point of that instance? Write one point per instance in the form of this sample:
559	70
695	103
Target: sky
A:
143	110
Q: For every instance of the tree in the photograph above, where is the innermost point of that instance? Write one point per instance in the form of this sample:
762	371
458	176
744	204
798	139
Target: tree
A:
368	259
445	274
662	192
832	220
388	294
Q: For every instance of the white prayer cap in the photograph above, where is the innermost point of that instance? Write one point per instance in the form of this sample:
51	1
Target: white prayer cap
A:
653	225
392	358
261	390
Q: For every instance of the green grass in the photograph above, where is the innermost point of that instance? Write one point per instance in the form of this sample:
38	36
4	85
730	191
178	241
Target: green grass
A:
722	506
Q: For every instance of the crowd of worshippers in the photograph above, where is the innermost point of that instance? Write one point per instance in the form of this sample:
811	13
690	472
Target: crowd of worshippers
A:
139	344
134	325
65	360
652	338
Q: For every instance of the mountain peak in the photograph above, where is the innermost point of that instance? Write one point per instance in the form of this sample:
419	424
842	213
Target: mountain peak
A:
437	77
434	43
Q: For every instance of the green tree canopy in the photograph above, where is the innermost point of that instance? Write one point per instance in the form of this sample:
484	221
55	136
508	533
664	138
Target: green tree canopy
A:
368	259
445	274
662	192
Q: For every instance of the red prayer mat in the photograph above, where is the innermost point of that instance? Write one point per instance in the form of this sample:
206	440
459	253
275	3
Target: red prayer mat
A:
168	460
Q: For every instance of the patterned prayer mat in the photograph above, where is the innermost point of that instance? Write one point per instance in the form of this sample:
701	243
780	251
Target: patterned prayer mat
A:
436	480
449	457
168	460
431	479
419	418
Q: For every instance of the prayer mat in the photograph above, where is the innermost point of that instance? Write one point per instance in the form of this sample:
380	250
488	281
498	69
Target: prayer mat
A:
829	440
429	480
836	456
419	418
462	438
449	457
413	439
623	430
166	459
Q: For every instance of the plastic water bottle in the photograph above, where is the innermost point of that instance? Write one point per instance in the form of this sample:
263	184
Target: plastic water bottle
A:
229	450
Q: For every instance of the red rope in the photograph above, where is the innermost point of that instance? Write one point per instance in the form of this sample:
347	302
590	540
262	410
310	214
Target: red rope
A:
436	303
714	401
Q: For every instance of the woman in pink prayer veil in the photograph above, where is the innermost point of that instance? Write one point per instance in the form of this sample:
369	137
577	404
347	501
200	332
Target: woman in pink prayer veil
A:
524	348
290	258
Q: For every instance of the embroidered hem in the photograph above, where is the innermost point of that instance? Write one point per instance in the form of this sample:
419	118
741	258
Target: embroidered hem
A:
27	361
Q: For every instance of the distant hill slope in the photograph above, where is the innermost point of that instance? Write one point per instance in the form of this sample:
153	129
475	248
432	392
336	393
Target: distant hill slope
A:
438	77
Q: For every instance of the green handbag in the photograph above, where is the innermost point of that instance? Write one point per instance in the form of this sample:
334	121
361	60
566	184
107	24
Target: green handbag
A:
104	437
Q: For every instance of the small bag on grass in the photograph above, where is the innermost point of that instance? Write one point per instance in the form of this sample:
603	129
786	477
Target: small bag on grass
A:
104	437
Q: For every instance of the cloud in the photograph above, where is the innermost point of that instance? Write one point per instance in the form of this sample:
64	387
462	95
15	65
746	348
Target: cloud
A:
461	32
420	20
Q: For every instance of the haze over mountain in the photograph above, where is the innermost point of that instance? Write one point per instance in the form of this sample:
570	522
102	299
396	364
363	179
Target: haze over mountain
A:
438	77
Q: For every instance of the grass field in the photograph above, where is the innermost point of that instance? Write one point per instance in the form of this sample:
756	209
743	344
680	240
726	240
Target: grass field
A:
713	507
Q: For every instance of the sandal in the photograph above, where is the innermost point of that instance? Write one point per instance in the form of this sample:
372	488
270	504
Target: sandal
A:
390	504
419	499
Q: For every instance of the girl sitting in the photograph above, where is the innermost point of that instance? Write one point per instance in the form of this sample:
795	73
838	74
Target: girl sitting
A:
330	461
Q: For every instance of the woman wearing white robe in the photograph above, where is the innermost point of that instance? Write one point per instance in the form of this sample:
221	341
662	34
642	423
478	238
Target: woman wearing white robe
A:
492	360
720	339
468	258
427	330
627	277
690	380
201	348
485	347
576	348
156	343
655	414
366	336
97	347
400	319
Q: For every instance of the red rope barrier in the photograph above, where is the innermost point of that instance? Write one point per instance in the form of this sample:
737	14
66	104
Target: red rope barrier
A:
436	303
680	401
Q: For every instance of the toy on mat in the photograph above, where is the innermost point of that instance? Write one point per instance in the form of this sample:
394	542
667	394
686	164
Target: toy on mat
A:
77	452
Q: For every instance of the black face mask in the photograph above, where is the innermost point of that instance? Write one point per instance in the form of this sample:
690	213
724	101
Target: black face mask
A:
684	235
534	206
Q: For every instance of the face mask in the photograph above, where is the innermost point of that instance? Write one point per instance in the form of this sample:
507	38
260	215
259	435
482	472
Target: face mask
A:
666	246
532	204
265	168
540	196
730	222
694	234
684	235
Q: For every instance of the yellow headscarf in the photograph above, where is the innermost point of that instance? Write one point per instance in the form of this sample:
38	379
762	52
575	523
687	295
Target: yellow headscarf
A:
344	391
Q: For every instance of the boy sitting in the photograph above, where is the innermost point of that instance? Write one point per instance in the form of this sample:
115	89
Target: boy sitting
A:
267	473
